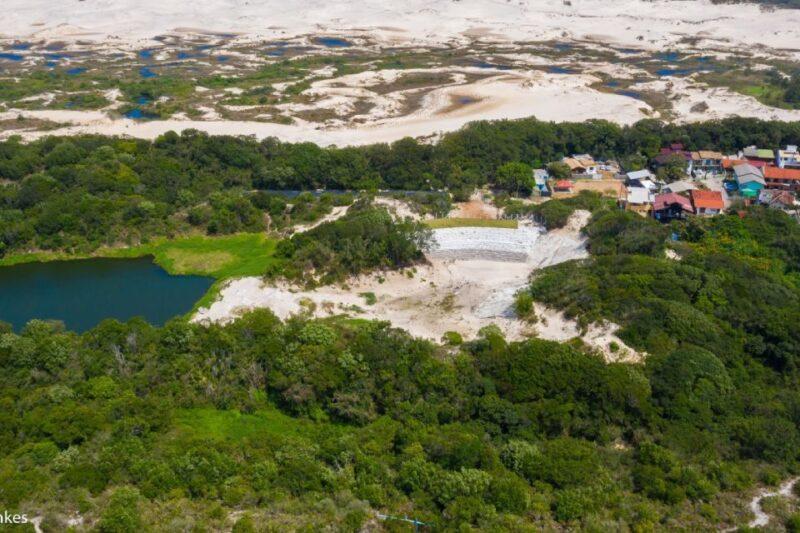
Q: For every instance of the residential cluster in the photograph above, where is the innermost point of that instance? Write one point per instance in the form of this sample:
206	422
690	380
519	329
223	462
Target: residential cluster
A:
680	182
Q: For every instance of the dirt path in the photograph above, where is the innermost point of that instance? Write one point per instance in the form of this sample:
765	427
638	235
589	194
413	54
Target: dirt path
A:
762	518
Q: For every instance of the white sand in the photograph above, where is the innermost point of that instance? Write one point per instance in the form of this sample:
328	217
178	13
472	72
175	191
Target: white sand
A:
648	25
446	295
761	518
546	96
653	24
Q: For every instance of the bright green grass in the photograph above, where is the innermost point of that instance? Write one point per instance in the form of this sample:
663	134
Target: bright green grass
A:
228	425
243	254
439	223
230	256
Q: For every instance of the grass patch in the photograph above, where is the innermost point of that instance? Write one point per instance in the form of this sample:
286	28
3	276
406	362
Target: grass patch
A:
439	223
229	425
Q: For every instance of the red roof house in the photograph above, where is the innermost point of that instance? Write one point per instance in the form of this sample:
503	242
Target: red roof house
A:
670	206
707	202
563	186
782	178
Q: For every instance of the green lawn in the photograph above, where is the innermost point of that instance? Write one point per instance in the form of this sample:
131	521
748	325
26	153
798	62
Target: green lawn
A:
230	425
244	254
439	223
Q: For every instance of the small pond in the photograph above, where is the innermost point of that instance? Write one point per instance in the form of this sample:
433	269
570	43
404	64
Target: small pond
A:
82	293
333	42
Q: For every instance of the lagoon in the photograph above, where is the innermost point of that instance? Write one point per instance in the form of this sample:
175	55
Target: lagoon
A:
81	293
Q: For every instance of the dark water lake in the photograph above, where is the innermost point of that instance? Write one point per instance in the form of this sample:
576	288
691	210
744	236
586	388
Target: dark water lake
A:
82	293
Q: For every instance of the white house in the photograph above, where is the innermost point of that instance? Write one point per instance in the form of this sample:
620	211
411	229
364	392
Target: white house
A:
789	157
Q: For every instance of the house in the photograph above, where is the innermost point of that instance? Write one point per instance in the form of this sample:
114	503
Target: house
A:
729	164
582	166
642	179
671	206
639	200
788	158
752	153
680	186
540	177
707	202
749	179
776	199
562	186
707	162
638	175
782	178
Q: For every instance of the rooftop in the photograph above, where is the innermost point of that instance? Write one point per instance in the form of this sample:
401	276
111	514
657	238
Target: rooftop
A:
707	199
663	201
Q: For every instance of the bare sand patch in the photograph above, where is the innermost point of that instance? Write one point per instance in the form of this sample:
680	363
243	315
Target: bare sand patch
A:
445	295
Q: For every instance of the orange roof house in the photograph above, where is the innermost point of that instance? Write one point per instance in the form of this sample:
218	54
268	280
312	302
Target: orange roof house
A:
782	178
707	202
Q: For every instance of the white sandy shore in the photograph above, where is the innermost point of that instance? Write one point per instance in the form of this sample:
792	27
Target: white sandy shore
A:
446	295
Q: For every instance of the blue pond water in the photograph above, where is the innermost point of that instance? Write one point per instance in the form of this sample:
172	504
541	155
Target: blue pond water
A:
485	64
21	46
56	57
560	70
51	64
84	292
143	100
189	55
145	54
222	59
629	93
668	57
563	46
139	114
612	83
675	71
333	42
11	56
75	71
145	72
276	53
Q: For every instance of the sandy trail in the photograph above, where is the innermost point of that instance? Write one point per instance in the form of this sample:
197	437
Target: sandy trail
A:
762	518
448	294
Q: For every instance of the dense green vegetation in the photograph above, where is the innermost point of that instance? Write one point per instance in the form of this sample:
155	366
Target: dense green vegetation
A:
84	192
555	213
366	238
312	424
320	423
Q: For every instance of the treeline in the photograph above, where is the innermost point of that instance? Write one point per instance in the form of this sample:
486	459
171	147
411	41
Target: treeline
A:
312	424
78	193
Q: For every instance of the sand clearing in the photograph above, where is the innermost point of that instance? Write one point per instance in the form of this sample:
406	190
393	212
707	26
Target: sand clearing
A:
449	294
